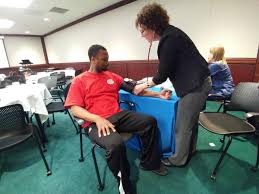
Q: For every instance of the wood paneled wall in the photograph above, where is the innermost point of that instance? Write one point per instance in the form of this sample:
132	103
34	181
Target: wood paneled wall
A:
243	69
256	76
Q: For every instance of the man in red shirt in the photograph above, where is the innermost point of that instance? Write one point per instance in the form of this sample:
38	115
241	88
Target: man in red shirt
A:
94	97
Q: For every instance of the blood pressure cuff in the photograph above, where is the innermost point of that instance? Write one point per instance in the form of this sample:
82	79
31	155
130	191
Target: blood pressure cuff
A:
128	85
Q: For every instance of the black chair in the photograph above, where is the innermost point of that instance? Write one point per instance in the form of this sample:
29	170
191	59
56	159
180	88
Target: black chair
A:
61	78
3	84
51	84
222	100
58	106
78	72
244	98
125	137
253	119
15	130
15	77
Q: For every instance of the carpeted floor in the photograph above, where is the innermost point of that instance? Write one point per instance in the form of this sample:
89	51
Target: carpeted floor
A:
22	171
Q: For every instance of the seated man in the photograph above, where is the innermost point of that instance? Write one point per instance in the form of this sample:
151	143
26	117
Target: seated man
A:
93	96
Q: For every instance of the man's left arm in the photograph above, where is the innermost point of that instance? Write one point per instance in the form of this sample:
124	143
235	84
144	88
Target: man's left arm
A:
129	87
164	94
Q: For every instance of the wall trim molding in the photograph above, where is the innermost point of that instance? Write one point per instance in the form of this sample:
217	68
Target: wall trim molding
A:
256	75
251	61
21	35
241	60
243	69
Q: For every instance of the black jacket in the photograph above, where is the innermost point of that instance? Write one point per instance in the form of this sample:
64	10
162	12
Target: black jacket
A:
180	61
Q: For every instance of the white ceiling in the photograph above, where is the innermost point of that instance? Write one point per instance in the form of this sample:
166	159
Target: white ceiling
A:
31	18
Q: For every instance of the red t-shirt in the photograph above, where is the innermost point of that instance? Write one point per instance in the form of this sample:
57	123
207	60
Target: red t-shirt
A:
98	93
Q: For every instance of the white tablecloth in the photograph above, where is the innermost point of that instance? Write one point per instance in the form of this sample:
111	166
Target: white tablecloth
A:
34	78
2	76
33	98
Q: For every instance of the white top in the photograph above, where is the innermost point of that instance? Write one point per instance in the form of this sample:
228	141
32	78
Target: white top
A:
167	84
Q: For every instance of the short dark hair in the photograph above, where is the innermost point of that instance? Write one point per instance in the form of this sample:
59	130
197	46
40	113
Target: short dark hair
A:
94	49
154	17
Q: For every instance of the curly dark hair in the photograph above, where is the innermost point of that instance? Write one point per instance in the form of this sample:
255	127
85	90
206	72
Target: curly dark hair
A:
154	17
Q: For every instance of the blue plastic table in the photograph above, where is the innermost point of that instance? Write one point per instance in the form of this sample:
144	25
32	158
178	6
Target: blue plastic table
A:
165	113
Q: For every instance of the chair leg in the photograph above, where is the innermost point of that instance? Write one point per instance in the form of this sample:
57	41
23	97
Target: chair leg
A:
41	128
100	184
81	159
73	122
60	97
42	156
255	168
40	137
27	117
213	175
220	107
222	140
53	121
42	143
48	125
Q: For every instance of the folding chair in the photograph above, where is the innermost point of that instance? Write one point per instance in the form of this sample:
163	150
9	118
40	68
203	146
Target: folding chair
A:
244	98
58	105
14	130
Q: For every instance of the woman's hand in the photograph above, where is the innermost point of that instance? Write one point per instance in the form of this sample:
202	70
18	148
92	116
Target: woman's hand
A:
139	88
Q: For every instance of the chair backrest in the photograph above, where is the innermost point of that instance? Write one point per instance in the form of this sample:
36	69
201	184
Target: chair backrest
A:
245	97
49	81
78	72
59	75
12	118
66	90
15	77
3	84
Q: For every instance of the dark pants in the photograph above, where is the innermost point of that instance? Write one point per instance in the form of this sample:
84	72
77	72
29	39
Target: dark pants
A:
131	122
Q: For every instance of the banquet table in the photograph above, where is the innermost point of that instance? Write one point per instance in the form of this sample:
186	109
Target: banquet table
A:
165	113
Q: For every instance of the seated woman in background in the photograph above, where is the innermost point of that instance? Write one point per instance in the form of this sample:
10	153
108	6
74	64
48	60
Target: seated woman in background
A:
222	81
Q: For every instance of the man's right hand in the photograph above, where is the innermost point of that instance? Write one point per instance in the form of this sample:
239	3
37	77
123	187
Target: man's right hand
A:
104	126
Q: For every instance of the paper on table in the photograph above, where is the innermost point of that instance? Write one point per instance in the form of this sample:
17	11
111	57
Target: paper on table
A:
167	84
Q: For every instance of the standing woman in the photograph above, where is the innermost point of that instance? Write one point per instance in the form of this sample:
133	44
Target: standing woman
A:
181	62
